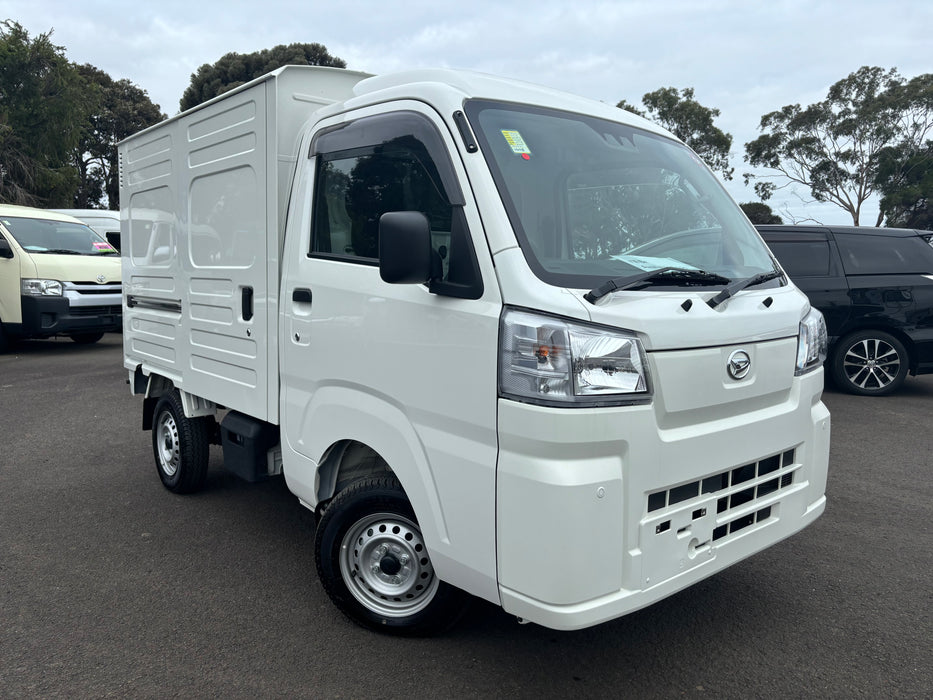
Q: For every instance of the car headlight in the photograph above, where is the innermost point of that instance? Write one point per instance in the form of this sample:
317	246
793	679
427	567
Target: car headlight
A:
811	342
42	288
555	362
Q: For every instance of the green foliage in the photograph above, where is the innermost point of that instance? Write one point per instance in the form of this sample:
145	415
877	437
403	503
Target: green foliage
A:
834	147
42	108
760	213
905	171
679	113
905	181
234	69
60	124
120	109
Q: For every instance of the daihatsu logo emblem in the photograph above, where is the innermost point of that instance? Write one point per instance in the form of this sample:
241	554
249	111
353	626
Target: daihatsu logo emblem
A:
739	364
101	279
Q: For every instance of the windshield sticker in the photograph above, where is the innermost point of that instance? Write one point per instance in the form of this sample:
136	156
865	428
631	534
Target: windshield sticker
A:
101	245
648	263
517	143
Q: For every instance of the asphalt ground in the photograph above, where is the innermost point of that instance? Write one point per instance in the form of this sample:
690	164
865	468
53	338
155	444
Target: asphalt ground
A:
110	586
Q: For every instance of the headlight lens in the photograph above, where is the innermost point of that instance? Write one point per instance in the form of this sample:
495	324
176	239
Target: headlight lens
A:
554	362
42	288
811	342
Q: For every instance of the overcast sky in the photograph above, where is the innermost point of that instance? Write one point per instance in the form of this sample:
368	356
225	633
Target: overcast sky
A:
743	57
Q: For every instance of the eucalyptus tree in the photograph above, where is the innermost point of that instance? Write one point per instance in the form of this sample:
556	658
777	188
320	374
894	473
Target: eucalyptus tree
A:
835	147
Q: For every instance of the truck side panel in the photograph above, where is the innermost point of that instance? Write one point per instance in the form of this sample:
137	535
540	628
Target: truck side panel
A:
204	196
198	253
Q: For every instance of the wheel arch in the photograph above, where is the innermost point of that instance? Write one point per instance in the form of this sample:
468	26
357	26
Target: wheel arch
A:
153	386
350	434
344	462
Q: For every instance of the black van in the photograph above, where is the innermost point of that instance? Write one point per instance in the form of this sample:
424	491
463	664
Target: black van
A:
875	288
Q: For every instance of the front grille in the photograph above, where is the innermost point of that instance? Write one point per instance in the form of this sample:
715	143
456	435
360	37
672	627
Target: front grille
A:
94	288
96	310
739	488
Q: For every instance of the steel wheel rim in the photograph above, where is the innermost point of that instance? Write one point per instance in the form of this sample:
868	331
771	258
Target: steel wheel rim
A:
386	567
167	447
871	364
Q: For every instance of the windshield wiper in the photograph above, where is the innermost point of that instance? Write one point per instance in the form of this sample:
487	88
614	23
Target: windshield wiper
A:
58	251
683	275
739	285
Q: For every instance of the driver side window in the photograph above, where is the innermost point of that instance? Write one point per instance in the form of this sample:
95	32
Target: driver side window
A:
406	169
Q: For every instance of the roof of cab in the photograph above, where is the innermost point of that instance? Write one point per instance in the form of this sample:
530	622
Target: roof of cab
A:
475	85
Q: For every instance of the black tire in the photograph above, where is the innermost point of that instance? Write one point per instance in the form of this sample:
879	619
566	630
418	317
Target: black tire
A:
869	363
180	446
373	564
86	338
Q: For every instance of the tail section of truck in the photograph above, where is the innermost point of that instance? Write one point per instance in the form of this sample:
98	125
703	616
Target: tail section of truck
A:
503	341
205	196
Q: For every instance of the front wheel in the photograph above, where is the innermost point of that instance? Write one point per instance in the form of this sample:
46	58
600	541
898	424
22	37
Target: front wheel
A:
870	363
374	565
180	445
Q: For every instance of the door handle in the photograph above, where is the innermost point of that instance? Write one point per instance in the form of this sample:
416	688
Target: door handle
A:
246	298
301	295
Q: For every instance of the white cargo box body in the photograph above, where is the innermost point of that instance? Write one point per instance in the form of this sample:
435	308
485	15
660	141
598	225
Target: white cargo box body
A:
204	197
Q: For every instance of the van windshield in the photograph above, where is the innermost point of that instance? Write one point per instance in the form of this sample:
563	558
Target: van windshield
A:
56	237
591	199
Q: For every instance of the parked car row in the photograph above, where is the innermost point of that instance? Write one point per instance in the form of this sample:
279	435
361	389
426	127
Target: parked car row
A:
874	286
57	277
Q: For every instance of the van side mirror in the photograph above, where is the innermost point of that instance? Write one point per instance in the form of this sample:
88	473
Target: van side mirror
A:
405	253
5	250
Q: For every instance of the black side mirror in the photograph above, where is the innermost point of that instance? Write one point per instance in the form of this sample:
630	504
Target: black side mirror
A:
405	253
5	250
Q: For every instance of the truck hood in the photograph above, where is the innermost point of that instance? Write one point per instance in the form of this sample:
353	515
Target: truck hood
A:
76	268
664	320
680	320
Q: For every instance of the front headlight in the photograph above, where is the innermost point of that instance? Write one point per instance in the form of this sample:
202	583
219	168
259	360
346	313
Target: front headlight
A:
42	288
554	362
811	342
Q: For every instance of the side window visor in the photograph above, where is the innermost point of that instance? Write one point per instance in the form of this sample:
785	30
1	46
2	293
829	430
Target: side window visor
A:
372	132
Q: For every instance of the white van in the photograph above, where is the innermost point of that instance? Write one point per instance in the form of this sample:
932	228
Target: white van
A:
504	341
57	277
105	221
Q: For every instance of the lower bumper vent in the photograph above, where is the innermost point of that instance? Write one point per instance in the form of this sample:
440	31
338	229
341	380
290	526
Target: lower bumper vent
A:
740	488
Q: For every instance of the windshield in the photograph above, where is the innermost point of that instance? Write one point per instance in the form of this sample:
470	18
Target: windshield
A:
56	237
591	199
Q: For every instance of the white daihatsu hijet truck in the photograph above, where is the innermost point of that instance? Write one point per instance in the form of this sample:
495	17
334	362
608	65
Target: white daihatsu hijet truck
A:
504	341
57	277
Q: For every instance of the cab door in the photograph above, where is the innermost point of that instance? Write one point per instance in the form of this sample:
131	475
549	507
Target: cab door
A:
408	370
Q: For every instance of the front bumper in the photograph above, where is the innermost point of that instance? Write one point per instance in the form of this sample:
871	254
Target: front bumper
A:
44	317
601	512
